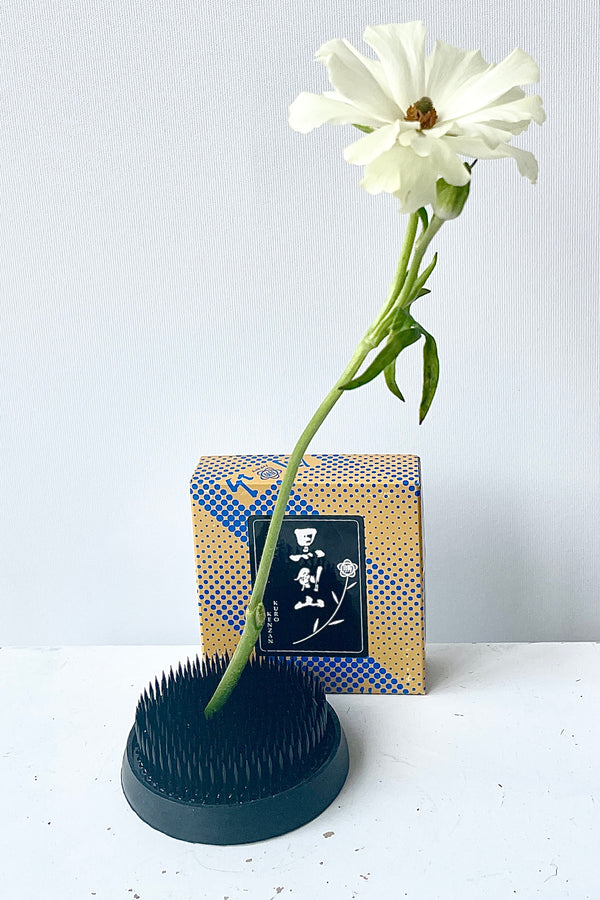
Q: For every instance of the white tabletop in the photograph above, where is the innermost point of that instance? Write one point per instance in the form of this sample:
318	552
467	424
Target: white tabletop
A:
486	788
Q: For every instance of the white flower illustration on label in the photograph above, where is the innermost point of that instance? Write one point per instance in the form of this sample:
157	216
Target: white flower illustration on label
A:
347	568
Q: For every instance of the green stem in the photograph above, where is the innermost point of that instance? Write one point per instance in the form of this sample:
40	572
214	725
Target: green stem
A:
411	284
255	613
400	288
399	278
407	294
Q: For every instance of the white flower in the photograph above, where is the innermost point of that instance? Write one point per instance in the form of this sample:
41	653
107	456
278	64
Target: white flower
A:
347	568
422	112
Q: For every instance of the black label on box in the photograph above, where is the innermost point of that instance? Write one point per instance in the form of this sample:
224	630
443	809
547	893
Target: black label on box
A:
315	600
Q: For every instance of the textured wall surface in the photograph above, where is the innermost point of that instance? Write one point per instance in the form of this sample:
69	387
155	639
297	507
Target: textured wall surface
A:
183	275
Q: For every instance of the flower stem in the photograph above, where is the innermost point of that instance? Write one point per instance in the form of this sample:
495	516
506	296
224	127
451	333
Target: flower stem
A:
255	613
399	278
400	290
408	287
407	294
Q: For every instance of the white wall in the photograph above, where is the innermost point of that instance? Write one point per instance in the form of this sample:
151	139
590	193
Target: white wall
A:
181	274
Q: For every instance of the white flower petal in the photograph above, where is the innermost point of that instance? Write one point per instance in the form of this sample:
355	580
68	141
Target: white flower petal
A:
513	116
384	173
440	129
367	148
373	65
308	111
354	80
401	49
447	69
417	142
417	187
449	166
526	161
491	135
515	93
482	90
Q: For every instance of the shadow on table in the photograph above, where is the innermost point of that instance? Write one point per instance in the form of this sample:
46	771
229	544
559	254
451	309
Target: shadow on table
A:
484	666
438	675
451	664
357	747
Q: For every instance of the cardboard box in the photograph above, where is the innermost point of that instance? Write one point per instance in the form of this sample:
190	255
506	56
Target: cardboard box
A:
345	596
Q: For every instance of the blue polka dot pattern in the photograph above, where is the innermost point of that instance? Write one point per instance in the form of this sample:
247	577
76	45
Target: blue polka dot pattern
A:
234	515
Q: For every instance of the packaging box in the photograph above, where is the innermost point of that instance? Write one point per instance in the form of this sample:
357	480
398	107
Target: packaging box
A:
345	595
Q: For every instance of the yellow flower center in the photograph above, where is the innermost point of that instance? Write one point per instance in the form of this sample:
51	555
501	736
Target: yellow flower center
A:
423	112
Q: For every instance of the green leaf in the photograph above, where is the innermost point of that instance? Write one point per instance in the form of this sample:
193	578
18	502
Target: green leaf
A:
402	321
422	293
397	342
389	373
422	214
366	128
431	374
424	276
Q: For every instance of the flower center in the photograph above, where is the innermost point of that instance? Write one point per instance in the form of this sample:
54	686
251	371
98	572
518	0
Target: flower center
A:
423	112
